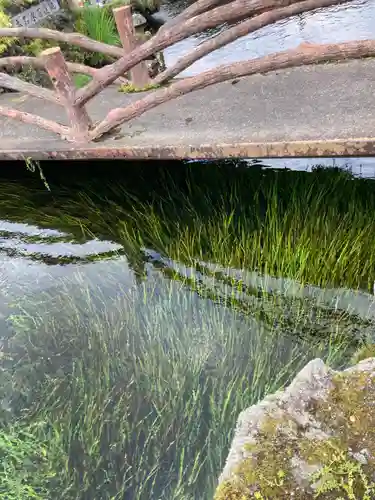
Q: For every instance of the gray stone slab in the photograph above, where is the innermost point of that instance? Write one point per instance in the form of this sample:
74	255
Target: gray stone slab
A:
325	110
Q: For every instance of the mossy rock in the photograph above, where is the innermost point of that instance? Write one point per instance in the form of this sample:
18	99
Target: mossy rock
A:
316	439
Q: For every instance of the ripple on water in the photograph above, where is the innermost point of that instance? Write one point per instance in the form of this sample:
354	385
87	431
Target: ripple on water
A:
34	257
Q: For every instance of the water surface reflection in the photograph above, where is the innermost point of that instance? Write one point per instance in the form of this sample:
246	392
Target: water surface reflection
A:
134	323
350	21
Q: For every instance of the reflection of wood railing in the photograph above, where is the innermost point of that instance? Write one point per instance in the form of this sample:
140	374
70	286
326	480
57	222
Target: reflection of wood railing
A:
300	310
200	16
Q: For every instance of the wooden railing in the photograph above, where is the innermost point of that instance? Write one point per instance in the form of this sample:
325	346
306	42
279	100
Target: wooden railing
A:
242	17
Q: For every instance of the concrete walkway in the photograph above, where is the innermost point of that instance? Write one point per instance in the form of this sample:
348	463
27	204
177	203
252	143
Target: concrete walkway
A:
326	110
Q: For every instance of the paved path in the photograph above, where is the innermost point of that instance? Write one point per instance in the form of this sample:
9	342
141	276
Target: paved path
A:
326	110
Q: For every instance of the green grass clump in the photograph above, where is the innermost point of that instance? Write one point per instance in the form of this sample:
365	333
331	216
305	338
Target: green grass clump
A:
99	24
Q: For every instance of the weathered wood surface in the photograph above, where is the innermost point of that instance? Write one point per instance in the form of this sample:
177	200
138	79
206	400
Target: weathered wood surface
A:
125	28
17	62
79	120
325	110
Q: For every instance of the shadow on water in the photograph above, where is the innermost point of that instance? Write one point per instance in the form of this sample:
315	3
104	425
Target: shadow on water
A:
143	306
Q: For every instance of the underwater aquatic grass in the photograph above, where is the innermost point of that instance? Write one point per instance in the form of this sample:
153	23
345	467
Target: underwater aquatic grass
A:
142	392
316	228
298	227
26	470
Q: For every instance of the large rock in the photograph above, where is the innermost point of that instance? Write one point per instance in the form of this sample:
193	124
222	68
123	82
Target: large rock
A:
315	439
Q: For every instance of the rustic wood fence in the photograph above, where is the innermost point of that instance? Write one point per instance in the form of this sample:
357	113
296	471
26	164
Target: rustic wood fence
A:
239	18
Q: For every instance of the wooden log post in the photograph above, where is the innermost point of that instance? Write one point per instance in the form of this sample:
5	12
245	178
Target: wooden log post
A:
56	66
125	27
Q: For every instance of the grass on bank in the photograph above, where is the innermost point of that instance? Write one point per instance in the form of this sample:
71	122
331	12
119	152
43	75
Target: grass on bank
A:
137	397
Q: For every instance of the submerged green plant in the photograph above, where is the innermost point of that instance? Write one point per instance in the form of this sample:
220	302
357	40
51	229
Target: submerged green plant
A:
257	222
153	399
25	469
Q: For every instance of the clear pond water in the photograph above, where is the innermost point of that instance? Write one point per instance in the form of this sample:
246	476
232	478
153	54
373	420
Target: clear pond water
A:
129	325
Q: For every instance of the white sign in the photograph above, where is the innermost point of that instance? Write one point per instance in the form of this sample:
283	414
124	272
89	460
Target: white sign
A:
33	16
